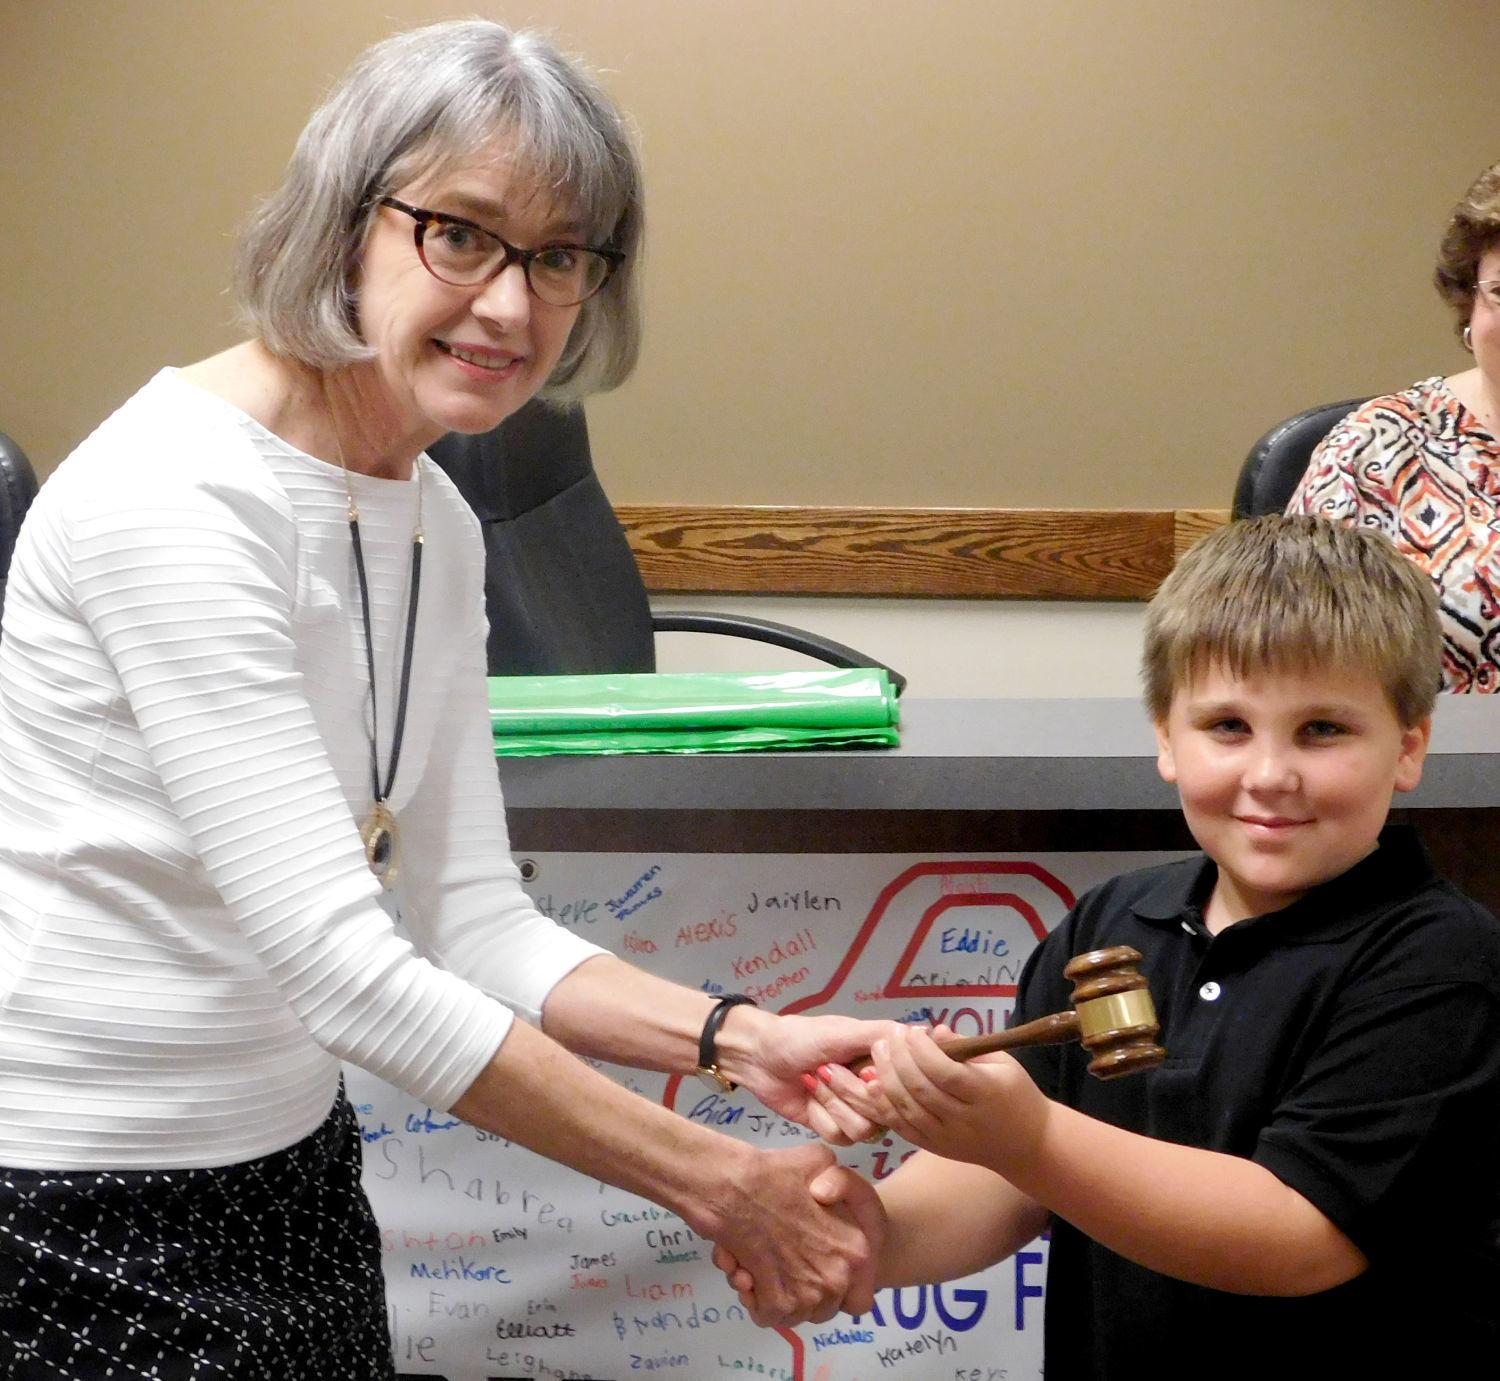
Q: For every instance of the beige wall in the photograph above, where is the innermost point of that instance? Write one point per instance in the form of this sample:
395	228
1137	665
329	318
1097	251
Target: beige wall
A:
916	252
1025	649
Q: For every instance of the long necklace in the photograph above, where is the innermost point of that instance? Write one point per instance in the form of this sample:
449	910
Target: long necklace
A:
379	830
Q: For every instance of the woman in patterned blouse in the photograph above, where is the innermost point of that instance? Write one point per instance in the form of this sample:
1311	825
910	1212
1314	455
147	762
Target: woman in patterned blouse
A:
1423	465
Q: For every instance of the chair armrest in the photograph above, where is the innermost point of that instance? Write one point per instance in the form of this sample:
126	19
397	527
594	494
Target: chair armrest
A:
765	631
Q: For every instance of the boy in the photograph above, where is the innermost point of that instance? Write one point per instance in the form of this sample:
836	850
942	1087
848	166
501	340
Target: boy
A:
1310	1185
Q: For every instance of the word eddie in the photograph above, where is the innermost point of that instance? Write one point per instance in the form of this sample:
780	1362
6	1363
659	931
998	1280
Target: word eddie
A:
966	941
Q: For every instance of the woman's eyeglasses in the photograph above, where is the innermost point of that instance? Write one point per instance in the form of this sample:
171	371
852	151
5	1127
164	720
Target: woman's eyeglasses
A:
457	251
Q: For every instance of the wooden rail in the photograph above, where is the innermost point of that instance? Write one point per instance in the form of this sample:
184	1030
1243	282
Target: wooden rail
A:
964	553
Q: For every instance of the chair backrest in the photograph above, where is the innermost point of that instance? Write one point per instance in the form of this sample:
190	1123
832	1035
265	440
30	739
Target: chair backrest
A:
17	489
1277	462
561	586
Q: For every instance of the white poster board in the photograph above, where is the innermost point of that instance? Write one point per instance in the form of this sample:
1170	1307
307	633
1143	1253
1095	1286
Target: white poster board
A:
500	1264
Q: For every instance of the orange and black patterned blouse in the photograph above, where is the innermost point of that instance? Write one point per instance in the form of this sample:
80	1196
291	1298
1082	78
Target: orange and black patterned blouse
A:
1419	466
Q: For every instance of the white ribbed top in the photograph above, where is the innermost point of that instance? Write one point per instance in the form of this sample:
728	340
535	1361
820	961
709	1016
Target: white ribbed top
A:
190	940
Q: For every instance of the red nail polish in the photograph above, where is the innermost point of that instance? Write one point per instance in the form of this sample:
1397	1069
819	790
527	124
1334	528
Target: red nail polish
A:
825	1074
868	1074
809	1083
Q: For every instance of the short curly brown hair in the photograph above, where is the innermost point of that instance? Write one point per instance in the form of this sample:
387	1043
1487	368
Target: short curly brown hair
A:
1473	230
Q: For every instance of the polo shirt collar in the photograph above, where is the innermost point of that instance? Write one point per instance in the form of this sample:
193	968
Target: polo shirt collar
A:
1328	911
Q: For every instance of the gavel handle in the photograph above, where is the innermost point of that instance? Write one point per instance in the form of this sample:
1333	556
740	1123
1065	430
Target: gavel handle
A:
1058	1029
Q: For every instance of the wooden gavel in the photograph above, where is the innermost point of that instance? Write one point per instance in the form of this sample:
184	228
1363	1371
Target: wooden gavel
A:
1113	1017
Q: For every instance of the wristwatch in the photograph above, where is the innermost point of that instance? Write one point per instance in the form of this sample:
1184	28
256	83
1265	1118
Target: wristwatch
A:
708	1055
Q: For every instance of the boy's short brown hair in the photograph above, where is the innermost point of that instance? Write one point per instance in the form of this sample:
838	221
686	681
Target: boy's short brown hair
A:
1296	593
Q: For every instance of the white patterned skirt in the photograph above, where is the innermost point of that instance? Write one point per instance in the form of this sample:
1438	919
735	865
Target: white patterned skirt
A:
265	1269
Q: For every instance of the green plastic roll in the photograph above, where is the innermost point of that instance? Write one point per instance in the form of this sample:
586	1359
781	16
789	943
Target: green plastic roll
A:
703	712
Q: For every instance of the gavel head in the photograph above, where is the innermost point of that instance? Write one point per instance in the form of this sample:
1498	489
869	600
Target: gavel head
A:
1116	1017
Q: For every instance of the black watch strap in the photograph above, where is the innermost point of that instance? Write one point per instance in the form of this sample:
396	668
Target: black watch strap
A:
708	1054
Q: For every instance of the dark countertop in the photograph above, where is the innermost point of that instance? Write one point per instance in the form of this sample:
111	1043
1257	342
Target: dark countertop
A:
967	755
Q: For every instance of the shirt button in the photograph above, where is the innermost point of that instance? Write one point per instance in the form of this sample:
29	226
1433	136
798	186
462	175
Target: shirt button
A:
1210	991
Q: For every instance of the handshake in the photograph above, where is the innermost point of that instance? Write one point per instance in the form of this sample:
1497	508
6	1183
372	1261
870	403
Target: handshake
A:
801	1237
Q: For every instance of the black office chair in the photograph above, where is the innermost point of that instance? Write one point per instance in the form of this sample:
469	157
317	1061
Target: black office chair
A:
562	589
1277	462
17	490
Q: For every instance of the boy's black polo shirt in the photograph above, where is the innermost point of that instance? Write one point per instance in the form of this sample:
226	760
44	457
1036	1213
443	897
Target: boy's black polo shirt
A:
1350	1043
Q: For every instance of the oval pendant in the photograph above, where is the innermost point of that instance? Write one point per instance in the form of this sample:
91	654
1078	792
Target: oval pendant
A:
379	834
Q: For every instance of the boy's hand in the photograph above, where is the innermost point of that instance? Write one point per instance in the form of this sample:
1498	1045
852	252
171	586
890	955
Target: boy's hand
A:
848	1099
986	1111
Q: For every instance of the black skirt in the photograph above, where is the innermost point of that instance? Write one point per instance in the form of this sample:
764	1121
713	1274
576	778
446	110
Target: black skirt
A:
265	1269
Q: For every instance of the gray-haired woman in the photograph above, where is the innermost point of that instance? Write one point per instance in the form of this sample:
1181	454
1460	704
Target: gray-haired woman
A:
241	684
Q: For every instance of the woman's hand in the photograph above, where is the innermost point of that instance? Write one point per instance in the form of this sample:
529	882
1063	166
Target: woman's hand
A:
844	1193
789	1232
778	1059
610	1010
